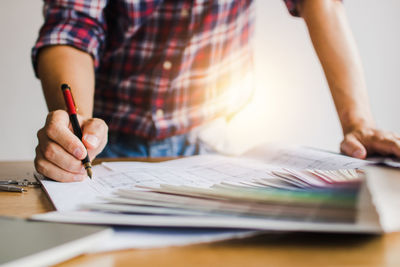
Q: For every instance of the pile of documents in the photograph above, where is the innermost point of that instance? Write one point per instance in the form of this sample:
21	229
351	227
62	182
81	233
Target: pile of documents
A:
268	188
308	195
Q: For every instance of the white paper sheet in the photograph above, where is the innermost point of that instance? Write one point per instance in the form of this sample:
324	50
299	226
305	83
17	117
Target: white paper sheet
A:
303	158
361	226
147	238
384	184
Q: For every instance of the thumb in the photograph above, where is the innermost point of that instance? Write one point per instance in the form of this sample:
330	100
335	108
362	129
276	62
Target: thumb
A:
94	134
351	146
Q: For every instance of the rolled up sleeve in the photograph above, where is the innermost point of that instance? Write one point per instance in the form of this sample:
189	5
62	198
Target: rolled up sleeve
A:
78	23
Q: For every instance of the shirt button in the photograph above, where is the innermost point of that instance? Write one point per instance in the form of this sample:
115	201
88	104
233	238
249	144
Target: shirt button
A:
167	65
159	113
185	12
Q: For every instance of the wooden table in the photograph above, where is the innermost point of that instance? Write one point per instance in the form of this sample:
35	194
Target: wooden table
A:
270	249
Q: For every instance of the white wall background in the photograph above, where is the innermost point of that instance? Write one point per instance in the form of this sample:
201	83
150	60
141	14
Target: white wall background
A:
292	105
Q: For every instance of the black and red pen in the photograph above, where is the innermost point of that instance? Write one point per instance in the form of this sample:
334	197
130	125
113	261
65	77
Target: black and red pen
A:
69	102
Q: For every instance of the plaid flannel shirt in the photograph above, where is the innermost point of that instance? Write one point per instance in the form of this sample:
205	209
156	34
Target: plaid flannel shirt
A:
162	66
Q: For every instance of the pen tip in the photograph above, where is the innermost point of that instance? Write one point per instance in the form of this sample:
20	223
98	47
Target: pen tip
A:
88	168
89	172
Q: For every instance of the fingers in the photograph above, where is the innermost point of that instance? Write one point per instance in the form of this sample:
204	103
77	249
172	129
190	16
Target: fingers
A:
359	143
353	147
95	133
57	130
56	154
385	144
54	172
59	152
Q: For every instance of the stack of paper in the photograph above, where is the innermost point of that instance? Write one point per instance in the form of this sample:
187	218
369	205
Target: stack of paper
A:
267	189
309	195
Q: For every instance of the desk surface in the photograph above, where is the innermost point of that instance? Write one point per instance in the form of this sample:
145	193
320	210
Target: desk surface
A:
273	249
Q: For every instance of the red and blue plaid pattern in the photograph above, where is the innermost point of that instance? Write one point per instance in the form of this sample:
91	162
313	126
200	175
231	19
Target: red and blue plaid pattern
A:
162	66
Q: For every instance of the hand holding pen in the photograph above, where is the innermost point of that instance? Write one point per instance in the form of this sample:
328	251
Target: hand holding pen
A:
71	108
60	152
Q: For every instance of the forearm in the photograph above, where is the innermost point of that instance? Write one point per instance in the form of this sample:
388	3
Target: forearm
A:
336	49
64	64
